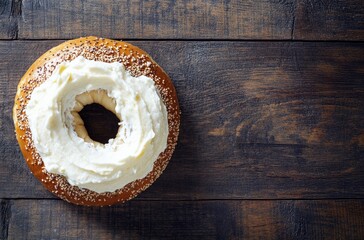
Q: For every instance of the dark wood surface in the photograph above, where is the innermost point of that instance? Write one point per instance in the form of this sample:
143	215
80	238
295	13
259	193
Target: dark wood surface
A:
188	19
272	133
283	219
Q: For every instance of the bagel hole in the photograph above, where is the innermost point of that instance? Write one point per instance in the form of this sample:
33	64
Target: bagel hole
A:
100	123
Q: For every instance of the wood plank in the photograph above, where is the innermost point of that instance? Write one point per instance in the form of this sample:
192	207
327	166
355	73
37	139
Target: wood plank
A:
260	120
289	19
320	219
138	19
10	10
329	20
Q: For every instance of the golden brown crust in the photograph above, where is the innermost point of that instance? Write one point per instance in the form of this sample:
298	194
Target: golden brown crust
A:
138	63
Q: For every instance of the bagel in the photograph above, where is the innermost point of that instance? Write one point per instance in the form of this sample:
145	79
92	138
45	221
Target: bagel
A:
54	141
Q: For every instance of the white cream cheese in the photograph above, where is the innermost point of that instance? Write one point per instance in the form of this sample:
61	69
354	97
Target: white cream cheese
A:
141	137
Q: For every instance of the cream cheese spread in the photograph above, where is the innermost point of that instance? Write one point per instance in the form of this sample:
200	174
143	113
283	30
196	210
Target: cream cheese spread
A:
141	137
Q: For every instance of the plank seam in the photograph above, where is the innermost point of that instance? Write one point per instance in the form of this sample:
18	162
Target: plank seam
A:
205	199
194	40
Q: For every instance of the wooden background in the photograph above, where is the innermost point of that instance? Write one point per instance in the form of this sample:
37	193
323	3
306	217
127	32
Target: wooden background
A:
272	133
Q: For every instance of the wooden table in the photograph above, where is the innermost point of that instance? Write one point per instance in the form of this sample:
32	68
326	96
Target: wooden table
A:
272	134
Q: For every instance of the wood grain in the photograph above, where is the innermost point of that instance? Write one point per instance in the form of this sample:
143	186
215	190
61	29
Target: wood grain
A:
5	15
288	19
4	218
315	219
10	11
157	19
329	20
278	20
260	120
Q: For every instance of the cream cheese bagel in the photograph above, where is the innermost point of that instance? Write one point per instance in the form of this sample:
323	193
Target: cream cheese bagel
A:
52	136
